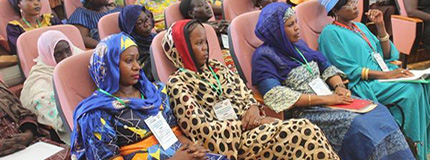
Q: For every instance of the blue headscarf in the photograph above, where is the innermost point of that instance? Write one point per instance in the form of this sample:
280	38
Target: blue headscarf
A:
104	70
328	4
277	48
127	20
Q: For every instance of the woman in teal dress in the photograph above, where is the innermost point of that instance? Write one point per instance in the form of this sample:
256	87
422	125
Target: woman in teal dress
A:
346	45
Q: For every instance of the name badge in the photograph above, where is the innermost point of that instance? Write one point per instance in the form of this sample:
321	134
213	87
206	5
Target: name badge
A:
161	130
381	62
224	39
224	110
320	87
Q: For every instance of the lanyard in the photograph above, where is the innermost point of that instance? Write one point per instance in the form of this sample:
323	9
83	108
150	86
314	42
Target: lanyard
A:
116	98
355	29
29	25
217	88
308	67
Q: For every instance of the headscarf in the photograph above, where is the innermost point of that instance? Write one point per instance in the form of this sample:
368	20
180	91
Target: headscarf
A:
277	48
105	72
184	6
46	46
328	4
182	45
127	20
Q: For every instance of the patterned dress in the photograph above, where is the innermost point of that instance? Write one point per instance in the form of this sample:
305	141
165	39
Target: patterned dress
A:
193	99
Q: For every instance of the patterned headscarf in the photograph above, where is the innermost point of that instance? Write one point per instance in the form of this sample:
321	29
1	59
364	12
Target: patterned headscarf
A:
46	46
278	48
104	69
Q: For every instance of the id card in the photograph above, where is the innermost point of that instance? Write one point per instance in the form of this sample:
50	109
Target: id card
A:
224	39
380	62
320	87
161	130
224	110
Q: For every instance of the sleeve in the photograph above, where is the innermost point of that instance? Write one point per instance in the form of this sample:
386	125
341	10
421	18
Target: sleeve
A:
197	123
393	52
330	72
55	21
44	105
335	51
98	130
245	92
13	33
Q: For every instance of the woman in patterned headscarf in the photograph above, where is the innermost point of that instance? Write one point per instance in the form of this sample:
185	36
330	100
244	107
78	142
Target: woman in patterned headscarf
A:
110	123
215	107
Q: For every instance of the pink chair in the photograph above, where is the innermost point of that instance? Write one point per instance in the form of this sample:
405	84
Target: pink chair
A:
243	44
407	32
312	19
173	14
70	6
108	25
73	83
363	7
233	8
7	13
27	44
161	65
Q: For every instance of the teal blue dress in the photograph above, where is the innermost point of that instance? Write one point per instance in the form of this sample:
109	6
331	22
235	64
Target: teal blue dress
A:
349	52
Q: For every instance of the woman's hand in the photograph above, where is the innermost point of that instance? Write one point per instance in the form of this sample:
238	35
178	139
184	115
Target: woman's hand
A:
341	91
335	99
193	152
268	120
24	138
398	73
9	146
376	17
251	118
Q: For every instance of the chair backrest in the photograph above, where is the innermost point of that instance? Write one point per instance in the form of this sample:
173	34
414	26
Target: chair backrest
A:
363	6
401	7
7	13
234	8
27	44
73	83
108	25
70	6
243	43
161	65
312	19
173	14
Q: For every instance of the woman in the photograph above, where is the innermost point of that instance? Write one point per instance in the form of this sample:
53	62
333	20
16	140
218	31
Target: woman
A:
113	122
29	10
215	107
157	7
420	9
292	77
18	126
138	22
351	47
260	4
37	94
86	19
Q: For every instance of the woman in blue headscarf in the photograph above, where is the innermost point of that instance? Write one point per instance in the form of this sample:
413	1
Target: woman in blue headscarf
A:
138	22
285	69
110	124
86	19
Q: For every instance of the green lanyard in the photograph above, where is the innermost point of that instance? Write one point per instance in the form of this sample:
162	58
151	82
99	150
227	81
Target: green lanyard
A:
29	25
308	67
118	99
217	88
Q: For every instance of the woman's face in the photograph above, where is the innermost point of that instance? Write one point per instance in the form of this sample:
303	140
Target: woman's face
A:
129	67
31	7
201	10
291	29
349	11
62	50
143	25
199	45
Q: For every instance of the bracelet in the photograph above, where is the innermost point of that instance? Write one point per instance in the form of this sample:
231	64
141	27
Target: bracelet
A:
367	74
339	85
309	100
384	39
362	74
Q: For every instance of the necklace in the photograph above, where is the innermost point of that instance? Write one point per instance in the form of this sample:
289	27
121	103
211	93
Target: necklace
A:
29	25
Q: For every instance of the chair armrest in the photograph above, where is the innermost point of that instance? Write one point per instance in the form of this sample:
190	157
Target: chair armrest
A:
397	63
416	20
8	60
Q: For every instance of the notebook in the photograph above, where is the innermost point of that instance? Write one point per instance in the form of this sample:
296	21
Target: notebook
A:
420	76
357	105
37	151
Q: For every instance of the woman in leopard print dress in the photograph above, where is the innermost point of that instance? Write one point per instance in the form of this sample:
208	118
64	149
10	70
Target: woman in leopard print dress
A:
200	84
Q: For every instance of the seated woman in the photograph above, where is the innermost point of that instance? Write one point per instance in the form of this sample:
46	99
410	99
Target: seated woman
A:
29	11
18	125
86	19
215	107
288	73
365	58
114	122
157	7
37	94
138	22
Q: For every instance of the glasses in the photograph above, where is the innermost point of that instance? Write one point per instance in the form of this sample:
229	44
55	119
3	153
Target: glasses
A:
351	4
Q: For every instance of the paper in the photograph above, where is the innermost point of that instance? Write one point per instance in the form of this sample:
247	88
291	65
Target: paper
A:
224	39
418	75
320	87
224	110
380	62
37	151
161	130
